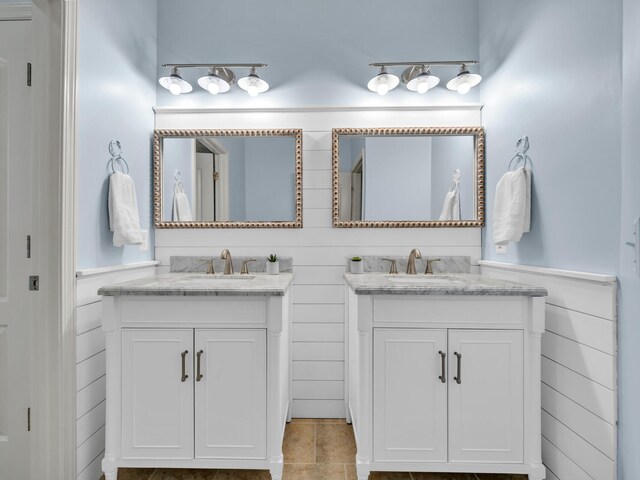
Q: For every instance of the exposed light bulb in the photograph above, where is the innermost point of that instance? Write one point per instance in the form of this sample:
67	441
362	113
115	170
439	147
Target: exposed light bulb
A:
464	88
213	88
174	86
423	86
383	87
253	89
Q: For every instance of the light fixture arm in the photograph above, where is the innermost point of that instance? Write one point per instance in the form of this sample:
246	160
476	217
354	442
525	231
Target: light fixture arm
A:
214	65
443	63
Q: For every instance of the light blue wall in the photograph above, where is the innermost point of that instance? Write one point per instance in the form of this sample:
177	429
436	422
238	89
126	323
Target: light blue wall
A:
116	92
270	179
549	75
629	307
177	154
237	190
397	181
586	192
318	52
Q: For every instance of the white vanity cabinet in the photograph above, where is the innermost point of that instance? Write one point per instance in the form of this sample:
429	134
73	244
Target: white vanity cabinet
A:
444	382
197	379
215	376
448	395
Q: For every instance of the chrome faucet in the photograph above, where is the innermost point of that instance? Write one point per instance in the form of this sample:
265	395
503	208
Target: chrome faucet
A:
228	265
411	264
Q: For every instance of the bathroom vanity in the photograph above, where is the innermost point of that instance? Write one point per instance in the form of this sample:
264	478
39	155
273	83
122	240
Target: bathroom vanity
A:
444	373
197	371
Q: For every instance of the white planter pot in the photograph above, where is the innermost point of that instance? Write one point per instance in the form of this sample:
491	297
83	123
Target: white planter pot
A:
273	268
357	267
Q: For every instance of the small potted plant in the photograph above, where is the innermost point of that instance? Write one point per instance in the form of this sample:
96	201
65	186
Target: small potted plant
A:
357	265
273	264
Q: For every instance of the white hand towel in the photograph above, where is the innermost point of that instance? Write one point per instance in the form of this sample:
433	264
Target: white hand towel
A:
510	207
527	213
451	206
181	207
124	221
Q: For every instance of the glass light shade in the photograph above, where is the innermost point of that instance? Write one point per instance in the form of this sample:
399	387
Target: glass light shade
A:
383	82
464	82
253	84
175	84
214	84
423	83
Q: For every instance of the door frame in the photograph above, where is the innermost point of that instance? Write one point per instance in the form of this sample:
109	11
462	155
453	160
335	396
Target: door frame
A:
67	275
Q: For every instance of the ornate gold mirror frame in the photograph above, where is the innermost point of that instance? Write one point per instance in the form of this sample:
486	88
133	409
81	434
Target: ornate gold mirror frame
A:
158	135
479	140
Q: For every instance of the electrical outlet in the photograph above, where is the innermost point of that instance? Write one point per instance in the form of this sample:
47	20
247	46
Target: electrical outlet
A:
501	248
144	246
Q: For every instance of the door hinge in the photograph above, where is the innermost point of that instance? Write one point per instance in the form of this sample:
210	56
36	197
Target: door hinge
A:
216	176
34	283
28	246
29	419
29	74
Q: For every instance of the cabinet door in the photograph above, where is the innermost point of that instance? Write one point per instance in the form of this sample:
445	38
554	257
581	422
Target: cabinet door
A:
157	399
486	401
409	398
231	395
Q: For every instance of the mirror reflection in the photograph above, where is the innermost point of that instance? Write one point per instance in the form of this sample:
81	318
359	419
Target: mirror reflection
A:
229	177
386	178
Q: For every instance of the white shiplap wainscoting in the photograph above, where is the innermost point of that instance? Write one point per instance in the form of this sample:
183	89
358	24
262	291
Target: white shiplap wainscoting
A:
318	250
90	362
578	370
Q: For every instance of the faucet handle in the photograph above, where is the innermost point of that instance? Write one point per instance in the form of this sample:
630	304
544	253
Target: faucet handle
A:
245	268
210	270
393	268
430	262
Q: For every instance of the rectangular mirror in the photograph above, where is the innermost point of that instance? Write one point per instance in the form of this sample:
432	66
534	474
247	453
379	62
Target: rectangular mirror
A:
408	177
227	178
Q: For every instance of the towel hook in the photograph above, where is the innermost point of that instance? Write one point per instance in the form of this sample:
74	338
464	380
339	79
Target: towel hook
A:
115	149
177	176
522	146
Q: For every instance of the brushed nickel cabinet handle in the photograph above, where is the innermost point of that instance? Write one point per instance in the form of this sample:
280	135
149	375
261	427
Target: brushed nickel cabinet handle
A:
458	377
442	376
184	366
198	374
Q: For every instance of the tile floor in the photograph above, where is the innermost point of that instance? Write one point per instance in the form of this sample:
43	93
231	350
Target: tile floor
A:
314	449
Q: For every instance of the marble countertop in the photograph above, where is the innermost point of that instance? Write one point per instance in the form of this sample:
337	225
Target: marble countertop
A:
453	284
199	284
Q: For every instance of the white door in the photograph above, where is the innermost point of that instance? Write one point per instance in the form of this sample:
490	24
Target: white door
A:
410	395
16	214
205	198
486	398
231	394
157	393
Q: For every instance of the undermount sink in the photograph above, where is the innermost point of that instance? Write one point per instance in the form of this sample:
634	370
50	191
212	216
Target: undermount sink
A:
217	278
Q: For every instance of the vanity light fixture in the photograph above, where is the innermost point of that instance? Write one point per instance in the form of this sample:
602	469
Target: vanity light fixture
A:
174	83
219	78
465	81
384	82
423	82
253	84
418	78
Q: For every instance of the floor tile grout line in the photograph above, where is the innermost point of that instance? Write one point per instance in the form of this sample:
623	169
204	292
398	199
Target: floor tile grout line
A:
315	443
